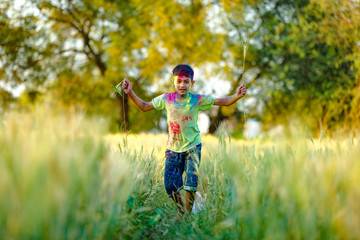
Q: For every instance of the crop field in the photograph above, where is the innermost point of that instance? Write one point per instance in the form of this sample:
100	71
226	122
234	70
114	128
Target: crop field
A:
62	176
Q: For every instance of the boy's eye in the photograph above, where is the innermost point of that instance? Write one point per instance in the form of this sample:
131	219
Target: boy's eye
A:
186	81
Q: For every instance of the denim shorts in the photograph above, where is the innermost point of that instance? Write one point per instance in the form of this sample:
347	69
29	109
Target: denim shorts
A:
178	163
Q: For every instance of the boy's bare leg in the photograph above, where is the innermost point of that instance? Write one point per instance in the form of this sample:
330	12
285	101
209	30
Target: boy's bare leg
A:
190	198
179	203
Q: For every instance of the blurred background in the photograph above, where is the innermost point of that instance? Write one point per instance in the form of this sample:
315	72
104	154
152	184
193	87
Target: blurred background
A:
301	67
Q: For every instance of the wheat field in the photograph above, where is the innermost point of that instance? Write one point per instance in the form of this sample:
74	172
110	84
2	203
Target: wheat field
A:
62	176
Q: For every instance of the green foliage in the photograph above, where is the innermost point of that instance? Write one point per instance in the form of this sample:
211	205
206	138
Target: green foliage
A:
108	40
83	91
6	99
24	52
312	68
306	55
302	59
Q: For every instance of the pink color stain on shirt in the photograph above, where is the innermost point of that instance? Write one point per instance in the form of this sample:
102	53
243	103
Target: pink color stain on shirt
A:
186	118
200	99
175	127
171	96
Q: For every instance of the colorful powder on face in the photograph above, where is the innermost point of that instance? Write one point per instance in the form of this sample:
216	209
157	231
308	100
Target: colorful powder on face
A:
175	78
175	82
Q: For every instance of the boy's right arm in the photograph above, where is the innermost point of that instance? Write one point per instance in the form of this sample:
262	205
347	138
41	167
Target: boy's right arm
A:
140	104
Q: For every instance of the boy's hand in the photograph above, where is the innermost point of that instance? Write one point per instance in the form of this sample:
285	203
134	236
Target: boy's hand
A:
241	90
126	86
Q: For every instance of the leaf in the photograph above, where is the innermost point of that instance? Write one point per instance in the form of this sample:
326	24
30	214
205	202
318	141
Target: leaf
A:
117	90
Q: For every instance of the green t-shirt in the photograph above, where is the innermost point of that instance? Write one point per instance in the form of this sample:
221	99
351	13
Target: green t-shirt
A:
184	132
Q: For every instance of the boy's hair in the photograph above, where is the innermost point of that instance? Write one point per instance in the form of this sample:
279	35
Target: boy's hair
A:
183	70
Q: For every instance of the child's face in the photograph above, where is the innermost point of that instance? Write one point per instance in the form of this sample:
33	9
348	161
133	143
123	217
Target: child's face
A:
182	84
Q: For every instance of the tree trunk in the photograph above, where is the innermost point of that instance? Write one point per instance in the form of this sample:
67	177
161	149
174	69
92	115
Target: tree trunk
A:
216	120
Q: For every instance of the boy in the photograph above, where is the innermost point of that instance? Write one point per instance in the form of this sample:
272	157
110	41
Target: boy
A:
183	151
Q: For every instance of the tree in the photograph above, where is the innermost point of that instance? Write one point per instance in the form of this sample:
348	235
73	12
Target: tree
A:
312	65
307	62
80	30
239	39
339	28
105	41
24	56
168	33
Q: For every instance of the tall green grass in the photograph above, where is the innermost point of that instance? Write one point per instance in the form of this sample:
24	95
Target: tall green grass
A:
57	178
297	190
63	177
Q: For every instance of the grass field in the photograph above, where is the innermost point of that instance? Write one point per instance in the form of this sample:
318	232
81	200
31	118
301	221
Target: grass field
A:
63	177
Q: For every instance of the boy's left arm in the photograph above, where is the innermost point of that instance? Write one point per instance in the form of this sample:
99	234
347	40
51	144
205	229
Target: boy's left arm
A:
240	92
